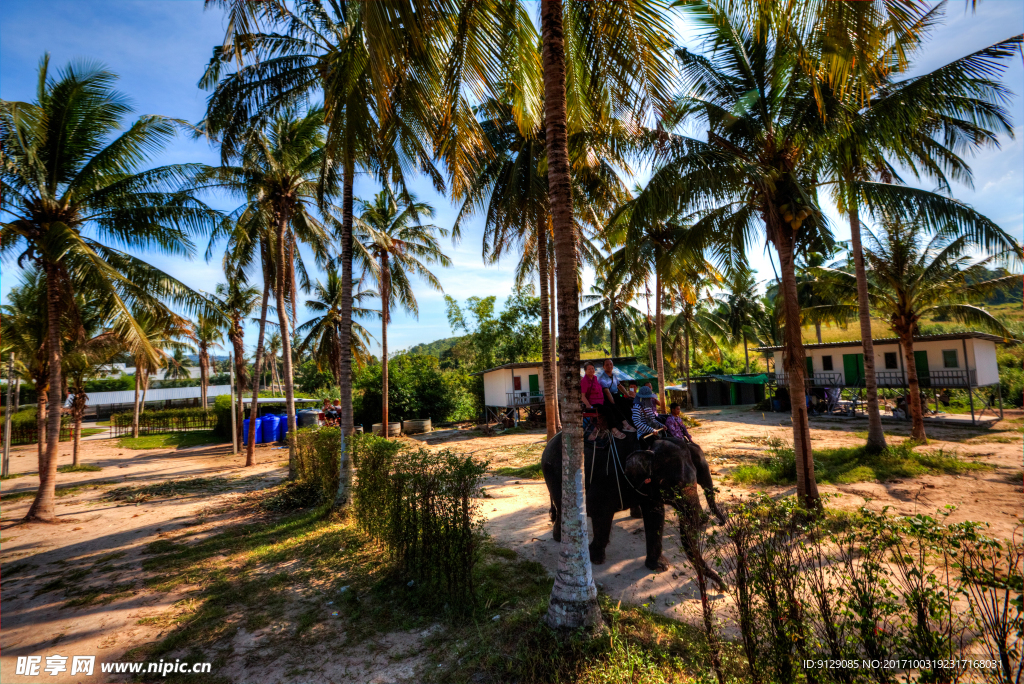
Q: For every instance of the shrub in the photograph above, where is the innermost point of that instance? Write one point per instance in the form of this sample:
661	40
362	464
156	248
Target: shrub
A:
222	414
417	388
419	506
165	420
317	457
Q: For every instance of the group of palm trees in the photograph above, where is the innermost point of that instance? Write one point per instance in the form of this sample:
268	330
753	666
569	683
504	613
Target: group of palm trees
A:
796	101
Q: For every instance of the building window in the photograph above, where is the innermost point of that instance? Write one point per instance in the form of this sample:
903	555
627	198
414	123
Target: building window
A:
949	359
891	362
826	363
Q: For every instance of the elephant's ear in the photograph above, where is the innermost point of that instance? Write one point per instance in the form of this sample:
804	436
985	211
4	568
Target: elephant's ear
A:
638	465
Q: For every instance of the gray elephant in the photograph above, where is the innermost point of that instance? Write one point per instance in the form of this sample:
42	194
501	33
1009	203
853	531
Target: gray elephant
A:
667	473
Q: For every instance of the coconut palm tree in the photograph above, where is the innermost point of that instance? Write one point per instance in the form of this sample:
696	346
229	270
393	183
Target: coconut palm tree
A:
393	247
879	114
277	172
154	341
741	301
910	276
23	330
610	312
323	332
179	365
75	182
237	300
273	349
208	334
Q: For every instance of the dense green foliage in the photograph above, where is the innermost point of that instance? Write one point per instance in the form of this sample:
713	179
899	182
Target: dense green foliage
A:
420	506
418	388
492	339
165	420
435	348
317	456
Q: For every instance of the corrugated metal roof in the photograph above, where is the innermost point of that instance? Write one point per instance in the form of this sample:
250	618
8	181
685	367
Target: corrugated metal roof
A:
895	340
172	393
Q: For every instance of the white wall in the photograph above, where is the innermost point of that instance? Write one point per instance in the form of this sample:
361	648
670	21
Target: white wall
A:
498	383
981	355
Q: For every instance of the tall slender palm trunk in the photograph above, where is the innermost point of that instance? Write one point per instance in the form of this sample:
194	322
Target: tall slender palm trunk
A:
552	360
659	351
250	447
238	343
138	393
686	361
385	297
42	507
345	333
77	411
876	437
806	486
286	344
913	385
573	602
550	398
204	374
613	338
41	390
746	352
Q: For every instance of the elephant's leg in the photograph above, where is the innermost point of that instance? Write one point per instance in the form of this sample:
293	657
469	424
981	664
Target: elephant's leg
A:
691	523
700	464
635	512
602	533
654	528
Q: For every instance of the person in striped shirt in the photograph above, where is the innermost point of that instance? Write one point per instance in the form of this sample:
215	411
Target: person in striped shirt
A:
645	419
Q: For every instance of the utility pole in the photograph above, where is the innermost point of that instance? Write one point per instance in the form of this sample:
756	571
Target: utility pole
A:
234	430
6	469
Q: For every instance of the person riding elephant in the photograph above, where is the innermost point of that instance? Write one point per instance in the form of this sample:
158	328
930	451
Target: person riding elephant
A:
667	473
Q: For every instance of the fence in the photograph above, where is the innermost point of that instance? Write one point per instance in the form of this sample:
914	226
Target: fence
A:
155	422
28	434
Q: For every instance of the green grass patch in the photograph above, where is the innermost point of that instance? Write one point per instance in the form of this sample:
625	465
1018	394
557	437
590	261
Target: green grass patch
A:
167	440
162	490
320	579
89	432
13	476
67	490
856	464
530	472
80	468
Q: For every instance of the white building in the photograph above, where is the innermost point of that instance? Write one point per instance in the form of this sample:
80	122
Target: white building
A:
964	360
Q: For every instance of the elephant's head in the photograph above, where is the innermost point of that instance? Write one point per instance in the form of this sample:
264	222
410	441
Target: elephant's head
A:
664	473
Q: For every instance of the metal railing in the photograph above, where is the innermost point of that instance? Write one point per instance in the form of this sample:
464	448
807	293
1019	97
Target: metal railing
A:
523	398
887	378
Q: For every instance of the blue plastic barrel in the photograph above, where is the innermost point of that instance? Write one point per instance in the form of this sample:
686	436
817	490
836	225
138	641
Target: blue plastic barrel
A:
269	428
282	428
245	431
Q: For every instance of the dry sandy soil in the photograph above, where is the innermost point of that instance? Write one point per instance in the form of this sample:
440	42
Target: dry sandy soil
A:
107	536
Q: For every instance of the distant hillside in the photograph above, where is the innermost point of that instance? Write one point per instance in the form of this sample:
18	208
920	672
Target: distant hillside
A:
435	348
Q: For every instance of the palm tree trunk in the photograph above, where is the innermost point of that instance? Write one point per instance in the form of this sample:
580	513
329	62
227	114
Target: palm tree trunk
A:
876	437
42	507
250	447
574	596
41	389
345	332
686	362
145	389
553	359
659	350
78	409
385	294
550	399
286	346
135	410
17	394
239	361
817	330
746	352
204	373
913	386
613	338
806	486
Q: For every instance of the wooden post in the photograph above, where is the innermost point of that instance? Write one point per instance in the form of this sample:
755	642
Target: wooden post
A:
967	372
234	426
7	417
999	398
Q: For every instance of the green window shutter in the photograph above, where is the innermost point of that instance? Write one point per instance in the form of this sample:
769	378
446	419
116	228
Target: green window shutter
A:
853	369
534	384
921	366
810	367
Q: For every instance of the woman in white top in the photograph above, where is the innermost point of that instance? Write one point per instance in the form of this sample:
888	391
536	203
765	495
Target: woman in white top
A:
612	411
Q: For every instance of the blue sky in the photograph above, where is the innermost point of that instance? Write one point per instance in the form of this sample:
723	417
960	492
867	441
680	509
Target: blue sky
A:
159	48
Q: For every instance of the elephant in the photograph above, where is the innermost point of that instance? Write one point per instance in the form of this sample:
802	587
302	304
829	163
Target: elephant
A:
668	472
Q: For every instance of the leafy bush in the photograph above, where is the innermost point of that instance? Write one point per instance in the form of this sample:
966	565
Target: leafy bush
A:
419	506
119	384
868	589
417	388
317	458
165	420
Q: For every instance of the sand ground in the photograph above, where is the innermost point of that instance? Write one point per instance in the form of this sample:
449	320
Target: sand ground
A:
108	536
